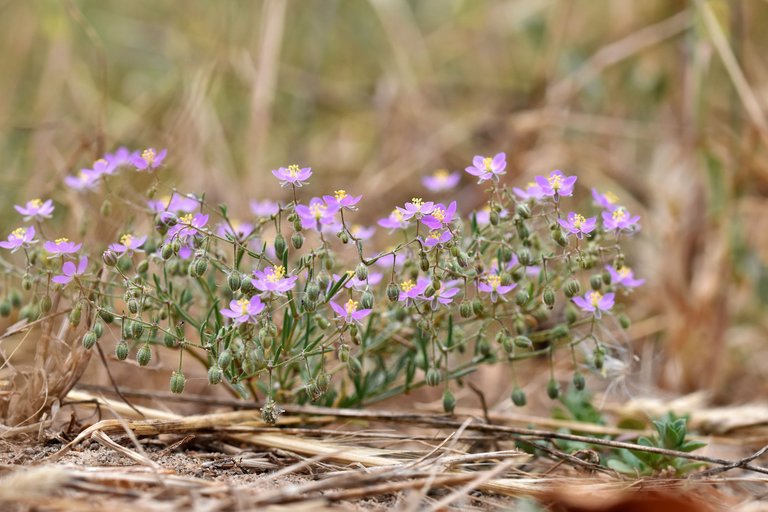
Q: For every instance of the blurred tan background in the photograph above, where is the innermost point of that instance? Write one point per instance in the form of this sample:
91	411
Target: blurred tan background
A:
661	101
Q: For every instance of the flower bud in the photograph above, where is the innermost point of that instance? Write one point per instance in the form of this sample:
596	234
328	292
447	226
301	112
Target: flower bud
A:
571	288
433	377
280	245
343	236
144	355
225	359
624	321
89	339
343	353
506	278
393	292
523	210
234	279
106	315
166	251
429	291
297	225
560	331
596	282
271	412
523	341
170	341
323	279
322	322
553	389
309	305
559	237
520	326
121	350
578	381
522	297
109	258
606	277
462	259
361	271
354	367
477	307
522	230
518	397
366	300
454	250
423	262
177	382
548	296
45	304
215	375
176	246
493	217
133	306
525	257
75	314
297	240
449	401
323	380
246	286
465	309
312	290
26	282
483	347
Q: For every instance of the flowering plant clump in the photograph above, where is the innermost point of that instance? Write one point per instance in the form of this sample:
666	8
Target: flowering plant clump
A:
295	303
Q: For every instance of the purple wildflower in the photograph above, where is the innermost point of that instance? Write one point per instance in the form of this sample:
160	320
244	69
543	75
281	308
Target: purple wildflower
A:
265	208
36	209
292	174
388	260
188	225
349	313
121	157
493	286
483	216
624	276
174	203
441	180
362	232
577	225
69	271
394	221
103	167
244	310
316	215
86	179
445	294
234	229
436	237
486	168
556	184
128	243
416	208
619	219
595	302
340	199
19	237
410	291
440	216
273	280
61	246
532	191
149	159
609	200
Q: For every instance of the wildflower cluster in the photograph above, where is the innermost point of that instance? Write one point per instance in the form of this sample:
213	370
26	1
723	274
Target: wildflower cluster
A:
274	306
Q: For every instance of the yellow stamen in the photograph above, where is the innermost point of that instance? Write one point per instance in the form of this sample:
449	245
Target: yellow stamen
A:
439	214
578	221
397	215
435	235
493	281
340	194
350	306
441	175
126	239
60	241
407	285
417	202
104	162
36	203
186	219
619	214
317	210
611	197
595	298
487	163
19	233
555	181
148	155
624	271
294	170
243	303
275	274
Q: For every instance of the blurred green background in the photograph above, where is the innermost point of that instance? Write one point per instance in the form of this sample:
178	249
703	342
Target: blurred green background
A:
661	101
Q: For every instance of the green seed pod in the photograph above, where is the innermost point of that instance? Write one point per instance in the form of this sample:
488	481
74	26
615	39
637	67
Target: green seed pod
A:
106	208
523	210
436	284
366	300
541	313
520	326
578	381
89	339
343	236
142	267
15	298
177	382
596	282
109	258
548	296
170	341
280	245
271	412
393	292
571	314
505	279
106	315
297	225
465	309
297	240
449	401
323	381
5	308
121	350
343	353
246	286
176	246
133	306
215	375
525	257
98	329
559	237
234	280
522	297
354	367
523	341
423	262
462	259
322	322
429	291
45	304
313	290
136	329
454	250
477	307
75	314
361	271
483	347
26	282
522	230
144	355
598	357
606	277
571	288
493	217
201	265
506	341
225	359
165	252
310	306
518	397
553	389
624	321
323	279
433	377
560	331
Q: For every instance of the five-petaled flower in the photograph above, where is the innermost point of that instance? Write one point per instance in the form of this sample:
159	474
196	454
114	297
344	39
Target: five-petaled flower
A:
340	199
441	216
609	200
149	159
316	215
122	156
61	246
416	208
577	225
174	203
556	184
36	209
86	179
362	232
493	286
103	167
188	225
19	237
349	313
273	280
128	243
436	237
624	276
441	180
293	175
243	310
410	291
619	219
69	271
532	191
265	208
487	168
394	221
595	302
444	295
234	229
